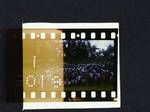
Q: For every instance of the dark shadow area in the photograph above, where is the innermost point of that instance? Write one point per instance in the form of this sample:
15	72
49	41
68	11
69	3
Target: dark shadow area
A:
11	88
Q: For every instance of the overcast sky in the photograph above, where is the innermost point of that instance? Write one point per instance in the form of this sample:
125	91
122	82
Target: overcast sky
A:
103	44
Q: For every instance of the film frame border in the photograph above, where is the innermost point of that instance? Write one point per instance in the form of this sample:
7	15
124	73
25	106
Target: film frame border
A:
104	36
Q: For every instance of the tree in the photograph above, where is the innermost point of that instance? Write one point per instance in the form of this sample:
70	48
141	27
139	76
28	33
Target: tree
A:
81	51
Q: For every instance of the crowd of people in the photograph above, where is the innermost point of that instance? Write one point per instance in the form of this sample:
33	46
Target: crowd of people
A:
86	73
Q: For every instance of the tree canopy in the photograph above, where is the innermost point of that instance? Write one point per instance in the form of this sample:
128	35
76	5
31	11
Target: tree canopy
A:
81	51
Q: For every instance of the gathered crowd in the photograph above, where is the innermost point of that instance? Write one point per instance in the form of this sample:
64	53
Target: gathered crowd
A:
86	73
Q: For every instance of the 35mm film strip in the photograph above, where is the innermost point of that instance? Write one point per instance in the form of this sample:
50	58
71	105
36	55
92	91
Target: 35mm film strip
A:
71	65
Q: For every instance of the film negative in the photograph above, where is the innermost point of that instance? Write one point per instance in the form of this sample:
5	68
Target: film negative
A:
71	65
